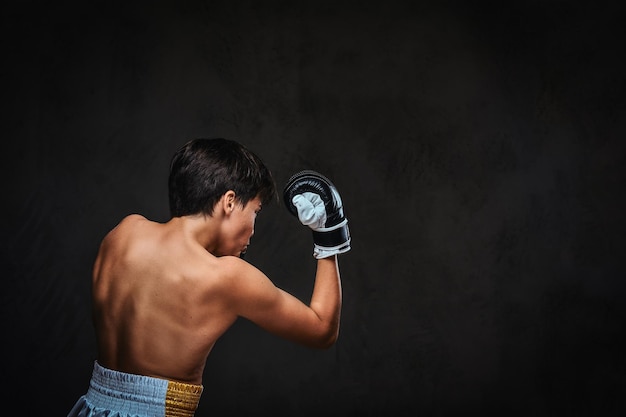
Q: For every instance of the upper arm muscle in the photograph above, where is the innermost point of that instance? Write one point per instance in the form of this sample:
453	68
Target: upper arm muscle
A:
256	298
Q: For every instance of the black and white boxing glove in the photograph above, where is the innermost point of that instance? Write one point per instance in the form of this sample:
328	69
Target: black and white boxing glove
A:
314	200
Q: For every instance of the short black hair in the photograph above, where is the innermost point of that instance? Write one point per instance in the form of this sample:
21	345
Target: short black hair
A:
204	169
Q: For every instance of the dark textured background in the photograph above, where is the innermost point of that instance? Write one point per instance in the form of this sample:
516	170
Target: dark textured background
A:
478	145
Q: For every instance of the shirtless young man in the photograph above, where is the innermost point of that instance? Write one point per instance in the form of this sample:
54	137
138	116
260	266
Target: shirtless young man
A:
163	293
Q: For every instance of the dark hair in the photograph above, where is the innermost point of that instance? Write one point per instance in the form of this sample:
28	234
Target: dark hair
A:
204	169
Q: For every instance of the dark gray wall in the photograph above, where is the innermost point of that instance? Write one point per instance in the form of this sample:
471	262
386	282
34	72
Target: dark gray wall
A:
478	146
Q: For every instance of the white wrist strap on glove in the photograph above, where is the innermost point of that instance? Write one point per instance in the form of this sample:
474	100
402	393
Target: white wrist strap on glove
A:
320	253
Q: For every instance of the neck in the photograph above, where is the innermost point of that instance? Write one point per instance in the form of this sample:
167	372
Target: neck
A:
198	227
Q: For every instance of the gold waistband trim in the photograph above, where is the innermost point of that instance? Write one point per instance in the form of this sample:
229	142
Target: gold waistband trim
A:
182	399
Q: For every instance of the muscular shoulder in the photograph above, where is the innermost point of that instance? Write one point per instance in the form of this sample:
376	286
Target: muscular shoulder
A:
132	221
126	231
127	225
230	268
243	282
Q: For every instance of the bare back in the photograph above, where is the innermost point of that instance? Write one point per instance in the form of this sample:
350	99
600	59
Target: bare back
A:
157	304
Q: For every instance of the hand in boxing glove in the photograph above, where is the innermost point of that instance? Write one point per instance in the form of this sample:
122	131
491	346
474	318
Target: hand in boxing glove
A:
313	198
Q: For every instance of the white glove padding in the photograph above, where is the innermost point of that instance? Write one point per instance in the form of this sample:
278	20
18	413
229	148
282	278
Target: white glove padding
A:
311	210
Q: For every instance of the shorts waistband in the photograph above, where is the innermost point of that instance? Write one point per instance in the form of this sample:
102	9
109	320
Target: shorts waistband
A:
142	394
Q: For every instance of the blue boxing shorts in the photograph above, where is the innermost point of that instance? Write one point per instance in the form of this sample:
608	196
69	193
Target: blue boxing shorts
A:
128	395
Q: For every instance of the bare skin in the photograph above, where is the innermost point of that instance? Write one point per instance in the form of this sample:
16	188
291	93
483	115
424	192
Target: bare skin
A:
163	293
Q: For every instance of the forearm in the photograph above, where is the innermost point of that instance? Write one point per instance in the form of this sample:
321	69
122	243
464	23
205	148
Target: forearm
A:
326	299
315	201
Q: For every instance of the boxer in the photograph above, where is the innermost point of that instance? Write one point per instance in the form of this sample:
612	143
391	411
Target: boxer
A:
163	293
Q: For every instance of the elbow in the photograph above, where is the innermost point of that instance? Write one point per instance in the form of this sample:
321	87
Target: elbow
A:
328	343
323	334
326	340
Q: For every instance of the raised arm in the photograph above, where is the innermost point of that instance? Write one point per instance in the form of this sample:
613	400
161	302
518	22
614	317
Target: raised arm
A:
257	299
315	201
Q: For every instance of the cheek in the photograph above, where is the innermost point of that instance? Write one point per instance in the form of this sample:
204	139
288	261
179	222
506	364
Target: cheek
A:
247	226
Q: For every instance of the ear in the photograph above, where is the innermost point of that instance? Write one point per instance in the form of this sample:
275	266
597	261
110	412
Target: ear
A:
229	201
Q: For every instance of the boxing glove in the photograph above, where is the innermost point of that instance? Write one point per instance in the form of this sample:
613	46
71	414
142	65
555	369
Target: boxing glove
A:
314	200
